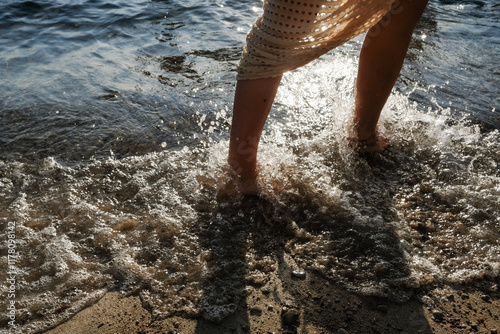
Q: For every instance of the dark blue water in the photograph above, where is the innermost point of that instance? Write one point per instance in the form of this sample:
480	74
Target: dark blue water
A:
114	120
459	44
104	72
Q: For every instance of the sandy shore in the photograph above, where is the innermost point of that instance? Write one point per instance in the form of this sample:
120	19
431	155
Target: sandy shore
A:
254	283
305	304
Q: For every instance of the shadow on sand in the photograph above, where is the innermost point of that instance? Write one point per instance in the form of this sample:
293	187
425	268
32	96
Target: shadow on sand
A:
306	267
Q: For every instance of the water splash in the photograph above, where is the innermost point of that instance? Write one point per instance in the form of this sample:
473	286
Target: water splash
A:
150	220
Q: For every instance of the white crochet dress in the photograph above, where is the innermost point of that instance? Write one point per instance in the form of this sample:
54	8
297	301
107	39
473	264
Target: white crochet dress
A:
291	33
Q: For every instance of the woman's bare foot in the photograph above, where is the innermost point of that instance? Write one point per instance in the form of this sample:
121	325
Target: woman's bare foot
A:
374	143
245	185
248	185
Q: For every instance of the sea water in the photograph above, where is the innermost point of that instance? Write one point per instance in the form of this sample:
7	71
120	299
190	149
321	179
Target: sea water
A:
114	120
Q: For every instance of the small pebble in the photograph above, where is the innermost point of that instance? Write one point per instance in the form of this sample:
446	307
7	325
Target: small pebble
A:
256	311
265	291
382	268
438	315
485	298
290	317
342	331
300	274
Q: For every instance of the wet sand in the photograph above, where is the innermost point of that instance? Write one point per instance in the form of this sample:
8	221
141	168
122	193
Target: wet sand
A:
253	283
304	304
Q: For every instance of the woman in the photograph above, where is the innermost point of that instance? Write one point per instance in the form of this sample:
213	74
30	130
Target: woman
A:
290	34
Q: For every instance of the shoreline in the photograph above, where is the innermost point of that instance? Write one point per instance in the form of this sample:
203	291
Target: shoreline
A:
291	306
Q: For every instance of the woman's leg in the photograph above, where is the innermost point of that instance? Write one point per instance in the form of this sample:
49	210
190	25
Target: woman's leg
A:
252	102
380	62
